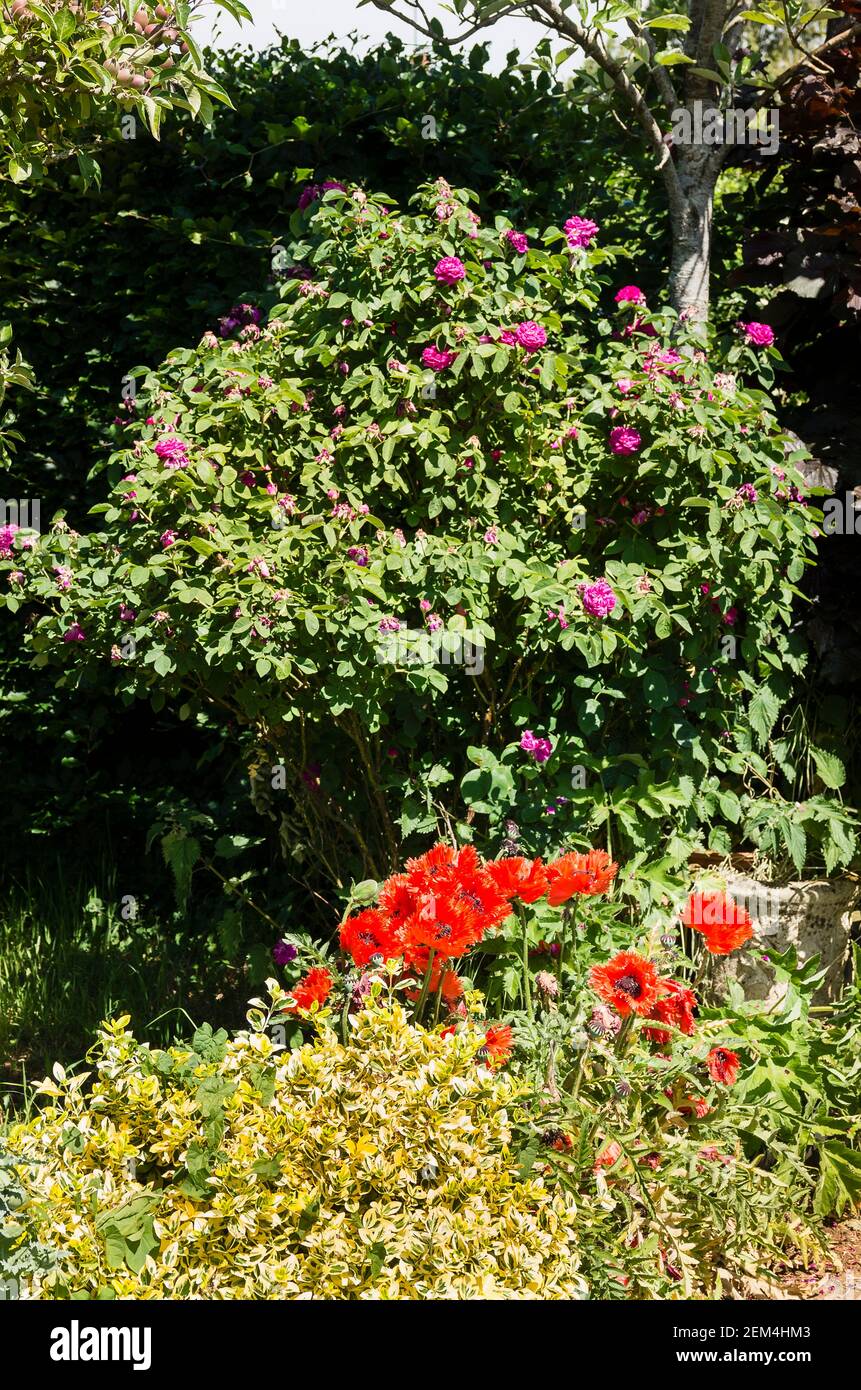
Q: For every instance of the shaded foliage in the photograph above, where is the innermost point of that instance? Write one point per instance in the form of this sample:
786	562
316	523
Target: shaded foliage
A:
96	282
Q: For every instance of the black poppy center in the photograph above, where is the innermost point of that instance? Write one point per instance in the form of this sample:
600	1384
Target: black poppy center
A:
630	985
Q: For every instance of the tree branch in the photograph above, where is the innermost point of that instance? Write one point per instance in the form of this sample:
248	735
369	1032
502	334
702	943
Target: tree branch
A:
589	43
833	42
714	17
661	75
424	26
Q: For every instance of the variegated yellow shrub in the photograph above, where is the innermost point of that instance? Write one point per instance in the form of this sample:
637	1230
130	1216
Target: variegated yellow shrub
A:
382	1170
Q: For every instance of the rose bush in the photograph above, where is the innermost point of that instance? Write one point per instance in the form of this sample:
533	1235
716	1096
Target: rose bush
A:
449	493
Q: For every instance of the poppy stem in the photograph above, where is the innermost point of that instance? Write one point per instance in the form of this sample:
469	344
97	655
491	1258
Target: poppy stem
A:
524	957
624	1033
580	1071
567	915
420	1006
438	999
700	981
345	1014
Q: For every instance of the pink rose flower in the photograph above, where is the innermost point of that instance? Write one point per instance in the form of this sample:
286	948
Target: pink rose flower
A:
624	440
530	335
437	359
540	748
759	334
580	232
517	241
172	451
312	191
598	598
630	294
74	634
449	270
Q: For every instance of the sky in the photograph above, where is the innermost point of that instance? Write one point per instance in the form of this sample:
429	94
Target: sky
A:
312	20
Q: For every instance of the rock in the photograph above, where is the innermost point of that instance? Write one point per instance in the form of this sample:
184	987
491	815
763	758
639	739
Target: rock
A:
815	916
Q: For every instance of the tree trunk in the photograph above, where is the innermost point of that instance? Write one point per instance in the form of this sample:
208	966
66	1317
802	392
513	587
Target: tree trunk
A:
697	168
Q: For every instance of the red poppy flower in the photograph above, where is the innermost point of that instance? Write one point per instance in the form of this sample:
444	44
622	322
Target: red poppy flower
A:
693	1105
423	872
440	926
475	891
557	1139
608	1156
723	1065
628	982
725	924
453	887
397	899
368	934
589	874
676	1006
452	984
498	1044
521	878
313	988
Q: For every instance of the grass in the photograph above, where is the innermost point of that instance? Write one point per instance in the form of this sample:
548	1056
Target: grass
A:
69	958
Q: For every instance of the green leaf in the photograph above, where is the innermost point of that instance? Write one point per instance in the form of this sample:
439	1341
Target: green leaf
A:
795	840
181	853
19	171
839	1186
128	1233
763	711
228	846
830	769
669	21
90	171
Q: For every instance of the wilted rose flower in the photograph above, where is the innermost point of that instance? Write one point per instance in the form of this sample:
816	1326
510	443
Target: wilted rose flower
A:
283	952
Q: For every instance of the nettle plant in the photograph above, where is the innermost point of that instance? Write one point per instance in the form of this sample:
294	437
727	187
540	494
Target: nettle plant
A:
460	532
